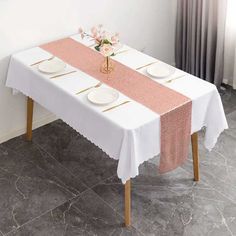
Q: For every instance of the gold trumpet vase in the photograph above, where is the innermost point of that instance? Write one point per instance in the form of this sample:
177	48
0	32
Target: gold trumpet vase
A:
107	66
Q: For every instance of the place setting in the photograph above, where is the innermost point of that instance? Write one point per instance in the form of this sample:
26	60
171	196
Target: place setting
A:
104	97
53	67
160	72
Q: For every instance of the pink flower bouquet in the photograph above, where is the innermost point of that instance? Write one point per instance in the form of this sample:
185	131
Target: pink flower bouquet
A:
106	43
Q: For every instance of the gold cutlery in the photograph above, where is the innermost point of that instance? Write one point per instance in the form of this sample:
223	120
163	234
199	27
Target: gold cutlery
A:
149	64
170	80
38	62
84	90
67	73
122	51
113	107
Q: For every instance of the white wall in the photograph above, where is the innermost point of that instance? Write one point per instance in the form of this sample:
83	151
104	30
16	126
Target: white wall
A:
147	25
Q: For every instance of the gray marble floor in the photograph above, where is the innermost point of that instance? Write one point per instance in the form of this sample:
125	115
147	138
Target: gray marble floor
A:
61	184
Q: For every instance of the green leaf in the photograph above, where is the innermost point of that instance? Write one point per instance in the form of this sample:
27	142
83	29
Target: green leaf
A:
97	48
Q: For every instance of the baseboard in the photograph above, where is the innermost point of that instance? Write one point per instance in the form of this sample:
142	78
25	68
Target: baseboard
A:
225	81
36	124
233	84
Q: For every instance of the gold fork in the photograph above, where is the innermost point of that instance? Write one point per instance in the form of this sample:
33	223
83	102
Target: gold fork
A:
118	105
84	90
38	62
149	64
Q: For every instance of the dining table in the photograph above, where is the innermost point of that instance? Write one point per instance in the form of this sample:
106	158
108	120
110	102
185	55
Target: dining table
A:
150	115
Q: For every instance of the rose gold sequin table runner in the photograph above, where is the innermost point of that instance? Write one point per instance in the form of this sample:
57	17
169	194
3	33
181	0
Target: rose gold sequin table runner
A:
174	108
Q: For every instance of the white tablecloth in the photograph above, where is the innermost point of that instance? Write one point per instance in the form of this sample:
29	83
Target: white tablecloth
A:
130	133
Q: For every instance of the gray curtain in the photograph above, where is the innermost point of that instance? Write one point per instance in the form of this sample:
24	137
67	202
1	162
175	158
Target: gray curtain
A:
200	33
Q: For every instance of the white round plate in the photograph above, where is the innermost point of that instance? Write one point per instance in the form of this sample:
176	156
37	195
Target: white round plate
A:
103	96
52	66
160	71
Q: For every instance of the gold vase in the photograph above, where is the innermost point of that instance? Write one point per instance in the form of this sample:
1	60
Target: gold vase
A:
107	66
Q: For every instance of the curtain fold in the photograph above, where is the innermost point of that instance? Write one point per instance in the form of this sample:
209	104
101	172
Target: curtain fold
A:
200	38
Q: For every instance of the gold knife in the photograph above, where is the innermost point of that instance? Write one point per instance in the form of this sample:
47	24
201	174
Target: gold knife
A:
149	64
113	107
67	73
122	51
84	90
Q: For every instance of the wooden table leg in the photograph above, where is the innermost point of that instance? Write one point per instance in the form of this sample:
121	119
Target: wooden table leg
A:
194	140
30	107
128	203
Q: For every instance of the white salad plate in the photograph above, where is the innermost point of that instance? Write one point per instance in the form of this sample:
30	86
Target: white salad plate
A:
103	96
52	66
160	71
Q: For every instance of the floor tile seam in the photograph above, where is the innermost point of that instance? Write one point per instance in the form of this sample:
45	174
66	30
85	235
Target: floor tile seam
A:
109	178
66	169
122	217
231	200
103	181
74	175
44	213
87	187
31	161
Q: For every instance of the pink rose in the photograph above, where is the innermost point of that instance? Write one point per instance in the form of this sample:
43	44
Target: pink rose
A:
106	50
